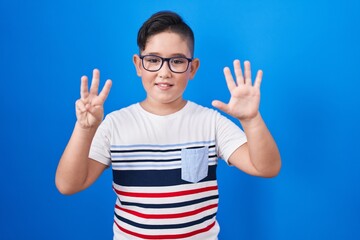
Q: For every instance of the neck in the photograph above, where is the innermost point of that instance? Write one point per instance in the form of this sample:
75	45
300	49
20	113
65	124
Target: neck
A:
163	109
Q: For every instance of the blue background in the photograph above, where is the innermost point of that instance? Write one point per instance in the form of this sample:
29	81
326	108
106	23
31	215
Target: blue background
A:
308	49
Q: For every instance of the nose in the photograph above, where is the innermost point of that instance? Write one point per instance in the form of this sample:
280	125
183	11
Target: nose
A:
164	71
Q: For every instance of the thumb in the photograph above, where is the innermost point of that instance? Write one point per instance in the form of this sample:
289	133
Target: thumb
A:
220	105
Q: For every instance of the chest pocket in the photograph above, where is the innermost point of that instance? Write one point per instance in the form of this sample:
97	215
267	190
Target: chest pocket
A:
194	164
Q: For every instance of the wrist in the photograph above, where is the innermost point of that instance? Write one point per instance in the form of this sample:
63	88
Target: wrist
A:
253	122
85	130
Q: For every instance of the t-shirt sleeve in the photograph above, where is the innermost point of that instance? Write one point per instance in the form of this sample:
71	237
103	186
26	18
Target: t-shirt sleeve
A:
229	137
100	146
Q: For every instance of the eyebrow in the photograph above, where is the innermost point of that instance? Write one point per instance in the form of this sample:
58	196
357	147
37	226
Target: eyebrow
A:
172	55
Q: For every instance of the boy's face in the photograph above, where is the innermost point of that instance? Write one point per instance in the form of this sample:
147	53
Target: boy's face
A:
164	86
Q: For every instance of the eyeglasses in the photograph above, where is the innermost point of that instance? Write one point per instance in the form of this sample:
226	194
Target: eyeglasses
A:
153	63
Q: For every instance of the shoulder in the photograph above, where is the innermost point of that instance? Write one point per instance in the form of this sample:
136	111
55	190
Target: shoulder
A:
200	116
124	112
209	115
195	108
120	116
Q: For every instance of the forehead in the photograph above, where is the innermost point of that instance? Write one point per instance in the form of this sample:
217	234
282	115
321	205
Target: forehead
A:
167	43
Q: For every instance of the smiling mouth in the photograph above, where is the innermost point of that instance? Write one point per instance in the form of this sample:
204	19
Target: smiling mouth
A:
164	86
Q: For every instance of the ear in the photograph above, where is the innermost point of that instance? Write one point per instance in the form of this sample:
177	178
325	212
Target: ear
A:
137	64
195	64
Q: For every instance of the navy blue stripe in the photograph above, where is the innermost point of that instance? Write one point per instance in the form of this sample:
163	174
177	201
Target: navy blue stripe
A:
145	150
154	160
170	205
196	147
156	150
155	178
164	226
148	160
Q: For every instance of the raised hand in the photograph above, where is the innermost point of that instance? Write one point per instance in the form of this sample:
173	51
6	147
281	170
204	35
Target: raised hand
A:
245	97
89	108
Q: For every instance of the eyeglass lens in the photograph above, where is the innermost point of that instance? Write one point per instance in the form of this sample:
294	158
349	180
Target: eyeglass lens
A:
176	64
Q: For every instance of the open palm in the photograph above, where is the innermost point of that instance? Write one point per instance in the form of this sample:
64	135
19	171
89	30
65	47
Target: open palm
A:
89	108
245	96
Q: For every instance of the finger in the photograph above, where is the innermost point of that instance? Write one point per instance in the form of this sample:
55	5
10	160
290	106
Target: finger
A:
220	105
80	106
95	82
247	73
238	72
229	79
95	110
105	91
84	91
258	79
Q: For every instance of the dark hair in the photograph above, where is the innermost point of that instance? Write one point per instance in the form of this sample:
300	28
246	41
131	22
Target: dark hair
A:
165	21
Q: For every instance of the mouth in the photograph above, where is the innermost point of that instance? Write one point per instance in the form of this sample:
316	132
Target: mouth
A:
163	85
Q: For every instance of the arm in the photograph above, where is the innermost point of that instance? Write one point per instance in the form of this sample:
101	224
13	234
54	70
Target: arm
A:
76	171
260	155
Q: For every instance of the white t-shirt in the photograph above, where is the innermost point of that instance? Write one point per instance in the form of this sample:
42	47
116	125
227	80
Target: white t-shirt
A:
164	170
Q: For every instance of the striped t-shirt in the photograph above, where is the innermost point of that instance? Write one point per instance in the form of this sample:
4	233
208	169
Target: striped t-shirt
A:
164	170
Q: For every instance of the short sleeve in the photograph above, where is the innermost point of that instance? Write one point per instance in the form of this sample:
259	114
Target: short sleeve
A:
100	146
229	137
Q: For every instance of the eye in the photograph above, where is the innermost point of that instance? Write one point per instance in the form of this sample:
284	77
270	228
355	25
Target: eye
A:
178	61
152	59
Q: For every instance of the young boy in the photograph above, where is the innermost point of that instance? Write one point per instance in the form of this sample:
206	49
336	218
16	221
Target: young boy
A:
164	150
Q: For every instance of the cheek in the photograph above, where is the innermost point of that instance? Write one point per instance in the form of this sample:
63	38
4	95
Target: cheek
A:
189	76
183	83
147	78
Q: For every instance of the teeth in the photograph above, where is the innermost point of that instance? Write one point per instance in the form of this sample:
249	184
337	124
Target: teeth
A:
164	84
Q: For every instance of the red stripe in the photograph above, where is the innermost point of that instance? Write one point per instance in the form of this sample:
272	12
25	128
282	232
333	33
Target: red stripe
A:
166	194
164	216
169	236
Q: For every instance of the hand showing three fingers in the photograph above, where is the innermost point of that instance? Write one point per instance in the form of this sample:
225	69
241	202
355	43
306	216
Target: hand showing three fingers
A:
245	96
89	108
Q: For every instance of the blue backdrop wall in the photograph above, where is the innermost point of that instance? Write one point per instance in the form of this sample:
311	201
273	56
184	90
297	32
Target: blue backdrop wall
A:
309	51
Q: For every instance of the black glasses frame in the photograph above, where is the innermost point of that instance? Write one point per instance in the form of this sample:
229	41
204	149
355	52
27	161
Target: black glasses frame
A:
164	60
